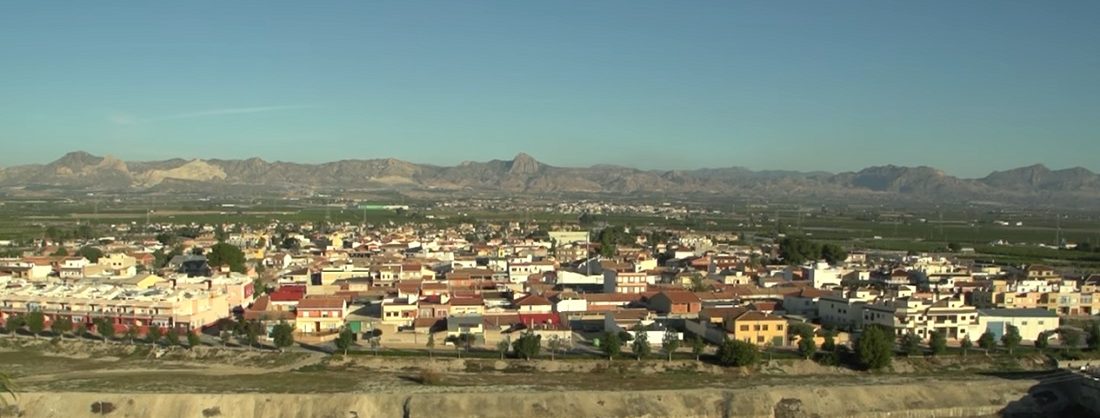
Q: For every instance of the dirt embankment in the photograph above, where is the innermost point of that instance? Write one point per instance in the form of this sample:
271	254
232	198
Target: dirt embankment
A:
960	399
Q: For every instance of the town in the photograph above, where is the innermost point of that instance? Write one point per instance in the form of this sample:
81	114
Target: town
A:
521	289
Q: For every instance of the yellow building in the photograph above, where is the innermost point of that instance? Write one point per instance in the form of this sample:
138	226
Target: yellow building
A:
758	328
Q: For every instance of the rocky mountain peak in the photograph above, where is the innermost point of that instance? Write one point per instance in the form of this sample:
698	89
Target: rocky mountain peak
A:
523	164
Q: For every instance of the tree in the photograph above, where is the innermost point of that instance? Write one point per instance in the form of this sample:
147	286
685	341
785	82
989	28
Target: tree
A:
1011	339
85	231
283	335
1071	339
375	344
79	328
93	254
806	345
13	323
250	333
555	344
172	336
153	334
937	342
61	252
1094	336
987	341
1042	341
131	333
527	345
966	345
640	346
225	336
736	353
193	340
670	343
910	344
503	346
61	325
222	254
954	247
344	340
105	328
611	345
833	254
36	322
430	344
875	348
829	344
698	346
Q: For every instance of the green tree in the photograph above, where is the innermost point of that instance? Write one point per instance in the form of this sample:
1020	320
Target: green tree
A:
503	346
1094	335
222	254
93	254
13	323
954	247
193	340
875	348
736	353
224	336
131	334
1042	341
796	250
172	336
833	254
105	328
153	334
61	325
36	322
698	345
61	252
640	345
344	340
1011	339
986	341
611	345
910	344
250	333
806	345
1071	339
79	328
527	345
85	231
966	345
670	343
829	343
555	344
283	335
937	342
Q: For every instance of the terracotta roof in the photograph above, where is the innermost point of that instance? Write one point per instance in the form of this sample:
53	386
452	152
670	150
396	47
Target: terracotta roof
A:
533	300
467	301
681	297
288	294
612	297
322	303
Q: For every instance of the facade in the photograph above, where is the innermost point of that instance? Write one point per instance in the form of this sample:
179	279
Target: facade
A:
1029	322
321	315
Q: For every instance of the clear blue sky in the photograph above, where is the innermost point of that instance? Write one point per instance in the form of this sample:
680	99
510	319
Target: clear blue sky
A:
966	86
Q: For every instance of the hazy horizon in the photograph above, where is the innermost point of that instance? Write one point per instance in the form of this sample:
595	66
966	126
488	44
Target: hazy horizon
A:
965	87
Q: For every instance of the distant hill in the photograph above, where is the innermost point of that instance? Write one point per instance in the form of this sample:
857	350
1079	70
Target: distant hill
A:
525	174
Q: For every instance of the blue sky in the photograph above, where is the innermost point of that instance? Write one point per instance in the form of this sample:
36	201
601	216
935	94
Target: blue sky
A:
966	86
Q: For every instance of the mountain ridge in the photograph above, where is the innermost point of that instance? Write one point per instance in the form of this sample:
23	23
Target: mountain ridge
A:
525	174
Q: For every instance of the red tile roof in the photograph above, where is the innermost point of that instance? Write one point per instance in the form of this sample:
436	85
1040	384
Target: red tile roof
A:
288	294
322	303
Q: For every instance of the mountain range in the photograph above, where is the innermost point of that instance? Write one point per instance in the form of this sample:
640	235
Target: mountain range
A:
524	174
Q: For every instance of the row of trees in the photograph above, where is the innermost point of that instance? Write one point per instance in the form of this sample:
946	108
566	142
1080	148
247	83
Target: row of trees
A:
798	250
35	324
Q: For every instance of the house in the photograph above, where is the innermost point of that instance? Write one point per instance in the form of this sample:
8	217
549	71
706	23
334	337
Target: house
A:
1029	322
804	302
322	315
465	324
624	282
534	304
758	328
676	303
399	311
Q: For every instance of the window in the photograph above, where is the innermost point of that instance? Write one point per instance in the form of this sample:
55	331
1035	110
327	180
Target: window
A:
765	327
779	327
759	339
756	327
744	328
